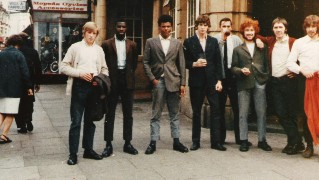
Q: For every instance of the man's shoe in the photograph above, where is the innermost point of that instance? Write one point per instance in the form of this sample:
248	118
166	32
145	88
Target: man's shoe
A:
108	151
244	147
308	152
264	146
150	149
218	147
73	159
195	146
286	148
128	148
29	126
180	147
295	149
91	154
23	130
241	141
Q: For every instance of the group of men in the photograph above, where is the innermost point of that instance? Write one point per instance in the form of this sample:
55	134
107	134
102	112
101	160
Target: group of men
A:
218	67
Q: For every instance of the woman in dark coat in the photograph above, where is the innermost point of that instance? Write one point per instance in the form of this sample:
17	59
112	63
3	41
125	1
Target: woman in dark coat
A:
14	75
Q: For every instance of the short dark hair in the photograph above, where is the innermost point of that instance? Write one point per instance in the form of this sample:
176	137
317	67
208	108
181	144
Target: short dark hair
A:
14	40
224	19
280	20
202	19
165	18
120	20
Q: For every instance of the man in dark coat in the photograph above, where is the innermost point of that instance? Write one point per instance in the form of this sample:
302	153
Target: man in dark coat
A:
121	58
24	117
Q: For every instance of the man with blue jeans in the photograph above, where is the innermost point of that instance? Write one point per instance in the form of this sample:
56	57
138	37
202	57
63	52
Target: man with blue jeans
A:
250	65
82	61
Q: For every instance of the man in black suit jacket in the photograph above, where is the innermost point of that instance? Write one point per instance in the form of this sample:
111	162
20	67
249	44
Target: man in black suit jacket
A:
121	58
205	73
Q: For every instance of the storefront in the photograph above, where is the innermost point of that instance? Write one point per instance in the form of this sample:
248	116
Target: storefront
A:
57	25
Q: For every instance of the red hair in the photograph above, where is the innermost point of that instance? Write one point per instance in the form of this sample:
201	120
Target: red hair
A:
248	22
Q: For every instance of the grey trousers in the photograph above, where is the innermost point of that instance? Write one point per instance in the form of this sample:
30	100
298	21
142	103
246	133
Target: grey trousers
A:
160	95
259	97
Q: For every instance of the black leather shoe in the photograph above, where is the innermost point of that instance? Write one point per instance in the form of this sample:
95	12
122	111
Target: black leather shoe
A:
128	148
264	146
29	126
195	146
308	152
108	151
244	147
180	147
150	149
73	159
218	147
286	148
91	154
294	149
23	130
241	141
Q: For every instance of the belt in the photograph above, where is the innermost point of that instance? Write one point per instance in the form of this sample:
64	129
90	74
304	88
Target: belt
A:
280	78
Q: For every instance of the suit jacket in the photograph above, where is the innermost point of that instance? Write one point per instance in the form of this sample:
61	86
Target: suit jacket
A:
204	76
109	49
172	65
258	66
270	41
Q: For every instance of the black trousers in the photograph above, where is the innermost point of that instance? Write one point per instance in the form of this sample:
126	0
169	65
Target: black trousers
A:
197	95
127	106
284	93
301	94
230	90
25	111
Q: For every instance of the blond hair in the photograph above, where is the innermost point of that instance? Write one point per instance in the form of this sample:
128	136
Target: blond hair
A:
90	26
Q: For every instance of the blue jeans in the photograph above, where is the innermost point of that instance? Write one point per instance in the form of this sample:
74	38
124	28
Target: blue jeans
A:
160	95
81	92
259	97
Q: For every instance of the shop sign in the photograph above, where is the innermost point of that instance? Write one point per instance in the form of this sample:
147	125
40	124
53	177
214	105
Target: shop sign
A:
60	5
17	6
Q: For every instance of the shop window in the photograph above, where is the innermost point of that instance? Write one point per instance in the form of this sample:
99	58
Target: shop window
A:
192	13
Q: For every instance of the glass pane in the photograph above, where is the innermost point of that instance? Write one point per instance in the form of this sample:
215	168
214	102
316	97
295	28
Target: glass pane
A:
138	28
48	46
130	27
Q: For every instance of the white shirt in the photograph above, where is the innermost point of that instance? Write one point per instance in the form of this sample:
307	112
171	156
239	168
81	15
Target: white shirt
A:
279	57
202	41
165	43
306	50
251	48
88	59
121	52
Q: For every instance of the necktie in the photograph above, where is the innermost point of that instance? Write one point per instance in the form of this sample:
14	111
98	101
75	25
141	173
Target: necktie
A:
225	56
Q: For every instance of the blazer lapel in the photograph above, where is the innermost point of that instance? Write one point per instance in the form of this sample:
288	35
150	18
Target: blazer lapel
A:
113	45
244	46
127	47
158	43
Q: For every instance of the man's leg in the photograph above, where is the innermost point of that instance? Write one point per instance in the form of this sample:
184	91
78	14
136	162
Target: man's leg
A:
244	103
222	105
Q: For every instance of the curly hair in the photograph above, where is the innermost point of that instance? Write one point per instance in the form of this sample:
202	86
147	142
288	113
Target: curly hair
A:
311	20
202	19
164	19
14	40
248	22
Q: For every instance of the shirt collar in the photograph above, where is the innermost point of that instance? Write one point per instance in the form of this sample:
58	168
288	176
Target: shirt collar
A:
284	39
86	44
161	37
119	39
198	35
309	39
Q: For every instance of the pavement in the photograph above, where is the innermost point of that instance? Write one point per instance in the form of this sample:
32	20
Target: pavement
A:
42	154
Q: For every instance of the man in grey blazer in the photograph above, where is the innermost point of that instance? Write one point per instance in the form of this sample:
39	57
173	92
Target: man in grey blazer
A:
164	65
